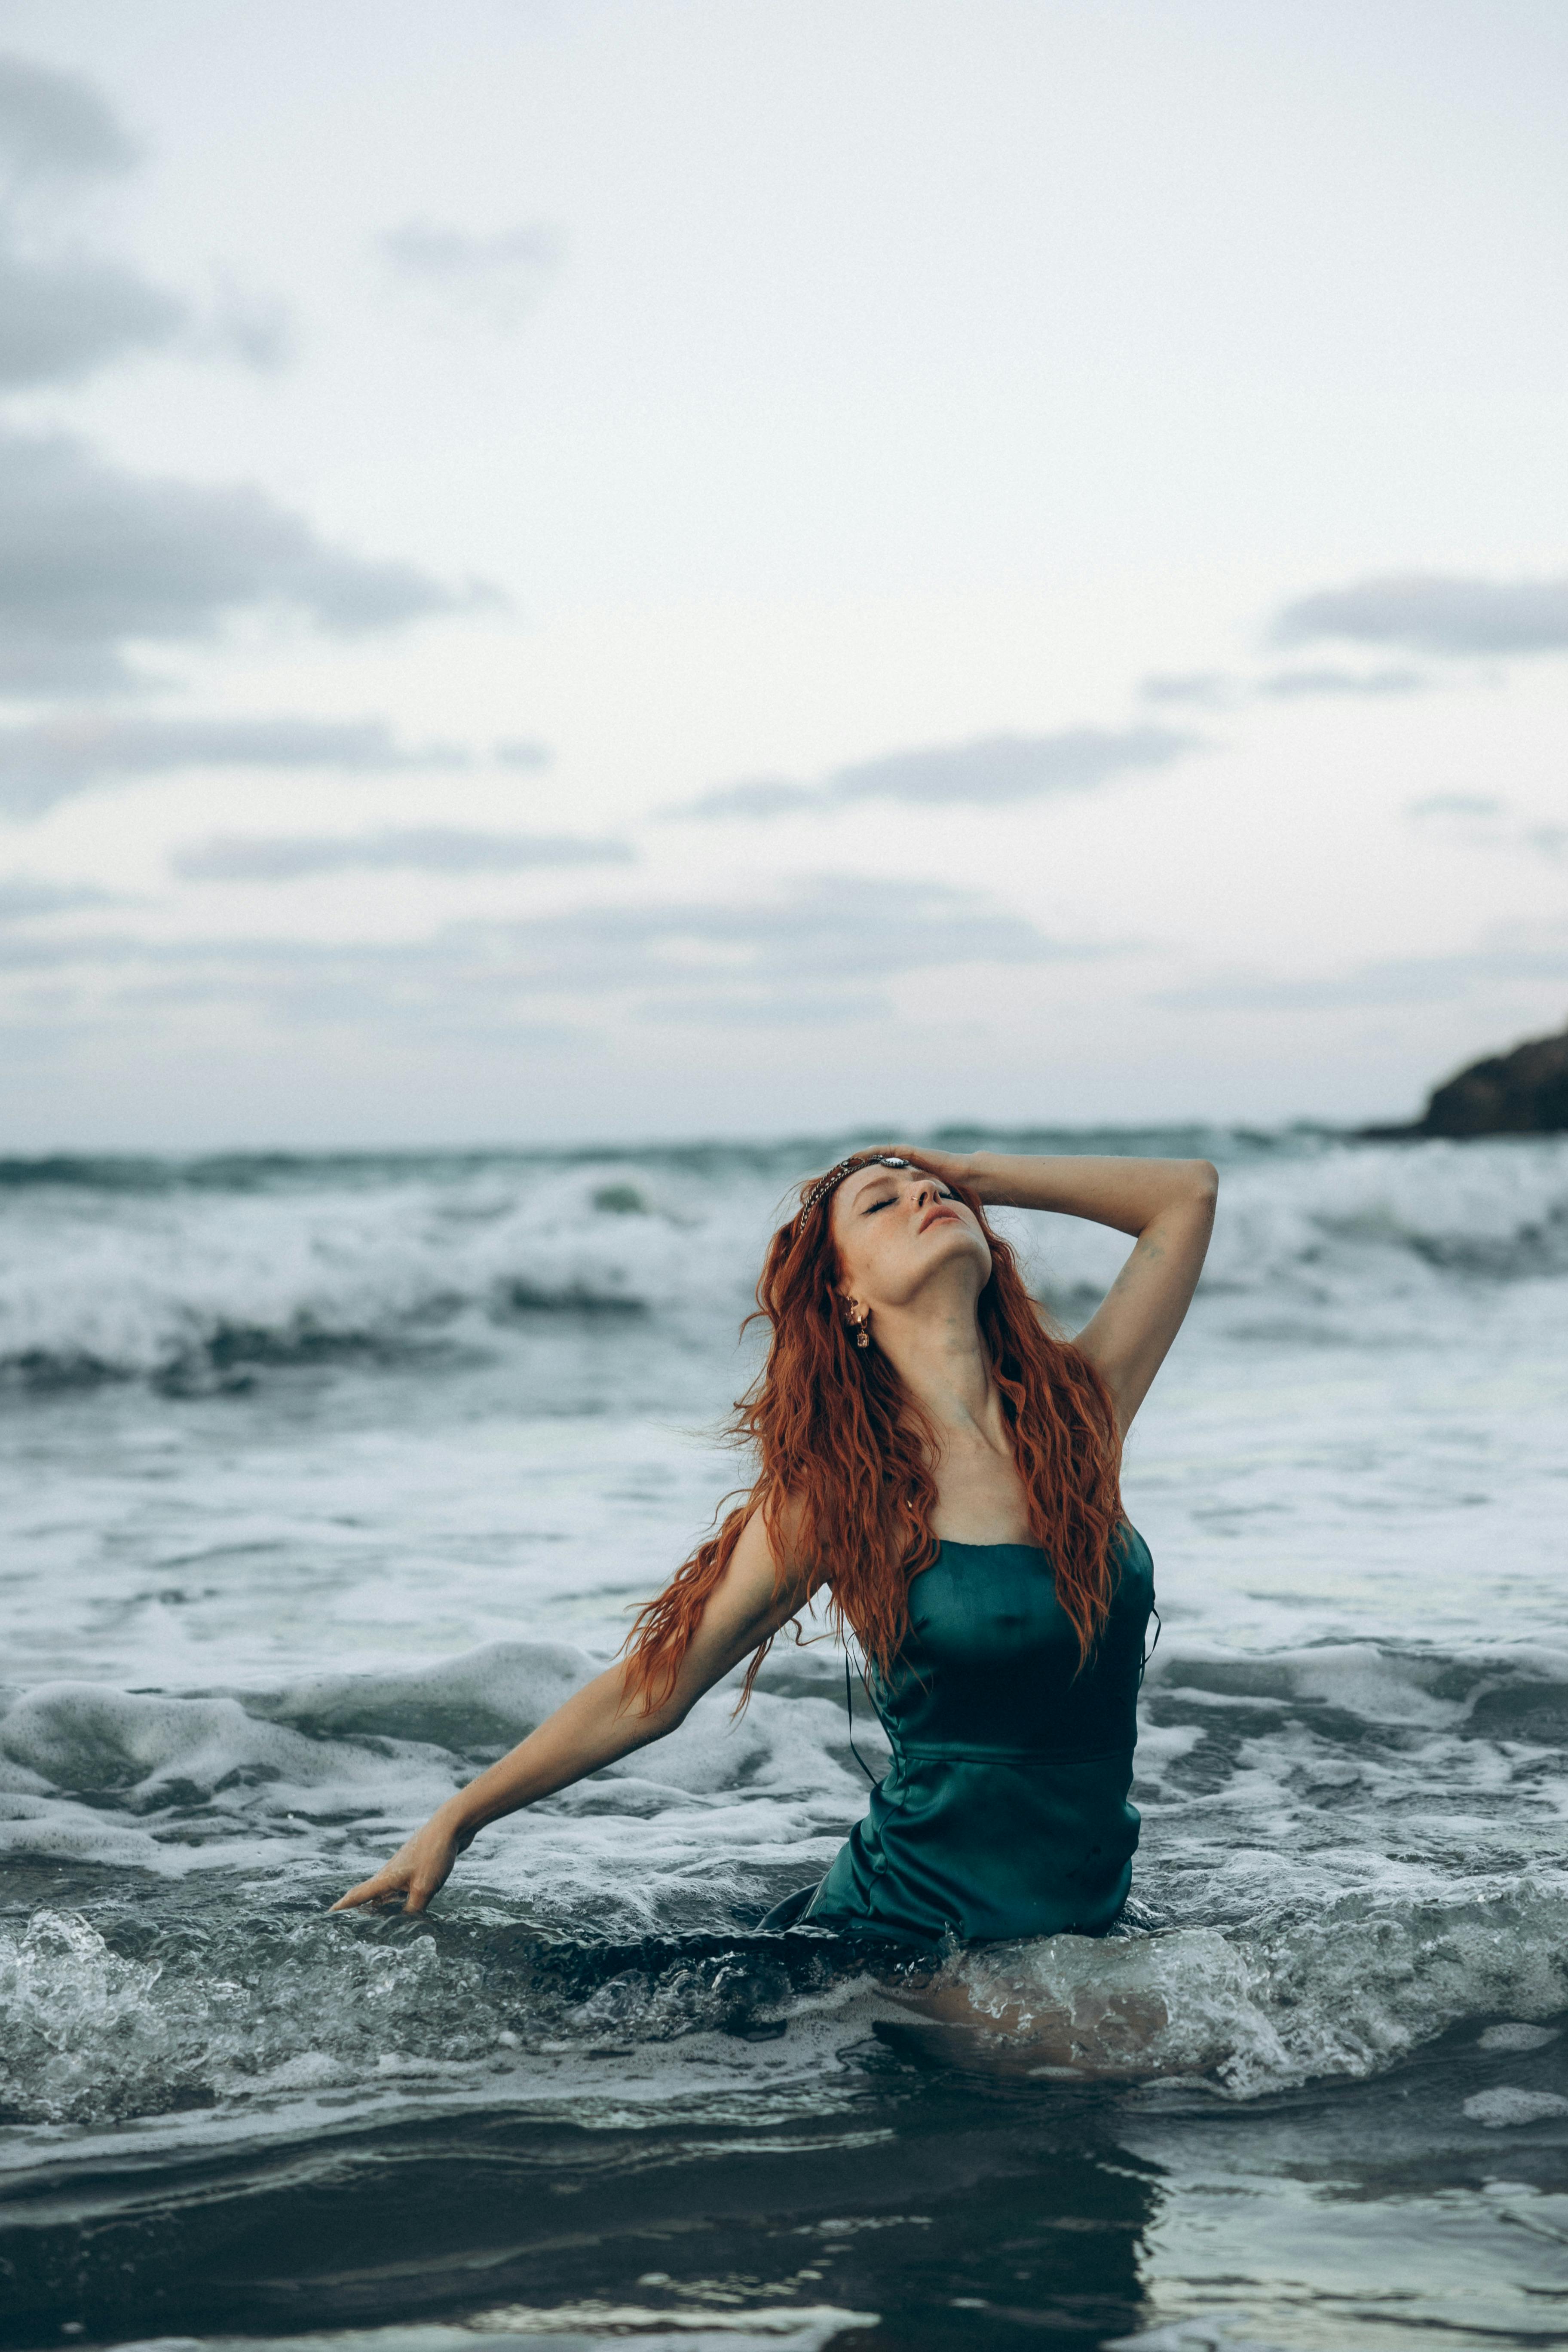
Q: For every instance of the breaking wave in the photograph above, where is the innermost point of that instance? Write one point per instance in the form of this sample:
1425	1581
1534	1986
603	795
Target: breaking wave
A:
1283	1936
203	1275
194	1288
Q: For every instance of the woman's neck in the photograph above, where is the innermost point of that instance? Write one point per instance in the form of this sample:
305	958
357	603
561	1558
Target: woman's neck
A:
937	1351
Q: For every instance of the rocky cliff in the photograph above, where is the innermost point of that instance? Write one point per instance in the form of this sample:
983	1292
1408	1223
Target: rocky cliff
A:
1521	1093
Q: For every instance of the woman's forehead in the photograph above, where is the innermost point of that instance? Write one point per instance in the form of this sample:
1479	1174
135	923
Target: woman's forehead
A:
858	1181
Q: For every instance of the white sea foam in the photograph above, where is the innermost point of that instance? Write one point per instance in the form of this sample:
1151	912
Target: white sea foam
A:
391	1257
178	1280
1202	2332
336	1606
1296	1996
249	2001
1326	1954
1507	2108
1513	2035
804	2326
344	1767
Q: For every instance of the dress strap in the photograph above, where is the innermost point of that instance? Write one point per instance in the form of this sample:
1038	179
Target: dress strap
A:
1149	1647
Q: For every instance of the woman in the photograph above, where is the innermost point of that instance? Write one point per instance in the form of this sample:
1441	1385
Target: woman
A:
945	1467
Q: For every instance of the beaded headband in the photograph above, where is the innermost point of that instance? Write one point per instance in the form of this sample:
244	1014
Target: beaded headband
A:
835	1175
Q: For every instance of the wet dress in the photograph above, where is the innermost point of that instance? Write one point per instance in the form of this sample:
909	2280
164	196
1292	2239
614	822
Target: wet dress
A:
1004	1810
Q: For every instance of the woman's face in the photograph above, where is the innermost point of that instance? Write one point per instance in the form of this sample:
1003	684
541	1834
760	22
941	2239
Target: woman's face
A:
898	1231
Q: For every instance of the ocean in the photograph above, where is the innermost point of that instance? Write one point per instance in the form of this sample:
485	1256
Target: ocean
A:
324	1478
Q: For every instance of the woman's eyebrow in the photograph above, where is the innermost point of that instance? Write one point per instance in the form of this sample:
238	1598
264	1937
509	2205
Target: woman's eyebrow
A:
877	1176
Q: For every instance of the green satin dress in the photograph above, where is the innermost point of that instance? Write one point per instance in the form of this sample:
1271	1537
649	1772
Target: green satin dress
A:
1004	1811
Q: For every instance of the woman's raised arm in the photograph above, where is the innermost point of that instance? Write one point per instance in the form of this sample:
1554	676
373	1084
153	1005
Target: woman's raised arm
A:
1169	1204
605	1719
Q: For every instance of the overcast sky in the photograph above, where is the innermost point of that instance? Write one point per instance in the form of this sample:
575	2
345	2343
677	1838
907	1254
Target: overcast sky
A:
582	571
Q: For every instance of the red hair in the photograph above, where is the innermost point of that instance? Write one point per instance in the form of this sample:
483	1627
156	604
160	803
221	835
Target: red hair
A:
846	1451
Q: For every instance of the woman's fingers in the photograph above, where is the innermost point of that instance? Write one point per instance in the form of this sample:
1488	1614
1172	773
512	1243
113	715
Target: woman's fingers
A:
370	1890
392	1879
949	1165
415	1880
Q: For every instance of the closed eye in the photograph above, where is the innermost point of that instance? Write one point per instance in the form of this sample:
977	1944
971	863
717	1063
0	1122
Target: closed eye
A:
869	1208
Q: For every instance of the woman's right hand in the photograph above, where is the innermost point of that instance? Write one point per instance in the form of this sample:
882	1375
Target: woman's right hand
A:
598	1724
418	1870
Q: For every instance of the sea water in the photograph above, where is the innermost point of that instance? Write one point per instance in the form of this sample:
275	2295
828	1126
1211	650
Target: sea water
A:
325	1479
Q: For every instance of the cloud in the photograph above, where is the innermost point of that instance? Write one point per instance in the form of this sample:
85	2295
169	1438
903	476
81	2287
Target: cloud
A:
1525	953
23	897
432	849
498	276
93	560
97	564
1457	804
1217	691
824	947
1434	615
1205	690
1010	767
991	770
1290	684
763	798
60	315
60	320
57	124
1484	821
831	927
64	315
518	754
253	327
54	759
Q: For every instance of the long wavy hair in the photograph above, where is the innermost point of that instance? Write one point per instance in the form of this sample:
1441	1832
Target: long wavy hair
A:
841	1442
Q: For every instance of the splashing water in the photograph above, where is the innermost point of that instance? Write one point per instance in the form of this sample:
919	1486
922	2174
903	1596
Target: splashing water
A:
329	1480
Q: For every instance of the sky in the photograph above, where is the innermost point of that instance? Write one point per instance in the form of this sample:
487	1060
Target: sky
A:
575	569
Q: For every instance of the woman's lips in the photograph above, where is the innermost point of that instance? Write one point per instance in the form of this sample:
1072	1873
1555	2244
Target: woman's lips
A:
940	1217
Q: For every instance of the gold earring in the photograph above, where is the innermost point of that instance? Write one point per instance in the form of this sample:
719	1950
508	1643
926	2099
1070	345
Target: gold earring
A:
859	1321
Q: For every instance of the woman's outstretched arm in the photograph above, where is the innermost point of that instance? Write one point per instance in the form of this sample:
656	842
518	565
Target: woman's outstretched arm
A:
1169	1204
605	1719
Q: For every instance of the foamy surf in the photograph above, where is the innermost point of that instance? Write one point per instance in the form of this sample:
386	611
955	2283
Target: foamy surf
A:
186	1272
324	1481
1324	1953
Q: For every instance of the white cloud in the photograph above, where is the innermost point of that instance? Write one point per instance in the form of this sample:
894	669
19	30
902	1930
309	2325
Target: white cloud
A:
53	759
497	277
830	943
63	320
24	897
1510	954
990	770
420	849
1435	615
94	558
1305	685
56	125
